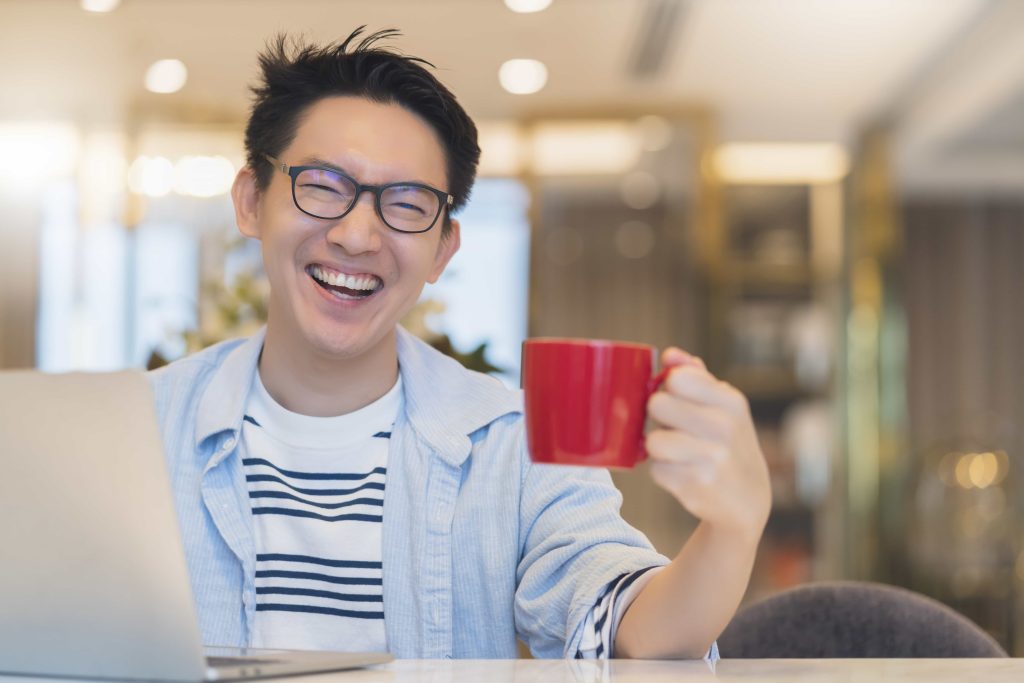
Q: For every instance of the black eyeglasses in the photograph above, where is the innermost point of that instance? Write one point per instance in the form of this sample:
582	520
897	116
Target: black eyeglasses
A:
330	194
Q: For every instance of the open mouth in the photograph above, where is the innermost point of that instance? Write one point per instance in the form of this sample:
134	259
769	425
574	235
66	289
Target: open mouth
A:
345	286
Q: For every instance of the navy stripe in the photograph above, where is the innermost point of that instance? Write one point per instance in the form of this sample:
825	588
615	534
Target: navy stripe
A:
352	564
326	506
250	418
379	486
382	435
621	583
599	652
267	607
349	580
348	597
633	577
313	475
600	622
312	515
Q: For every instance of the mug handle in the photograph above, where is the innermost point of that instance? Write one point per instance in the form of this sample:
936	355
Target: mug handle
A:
655	382
653	385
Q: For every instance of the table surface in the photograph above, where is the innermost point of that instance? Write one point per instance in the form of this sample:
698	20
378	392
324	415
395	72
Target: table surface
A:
627	671
745	670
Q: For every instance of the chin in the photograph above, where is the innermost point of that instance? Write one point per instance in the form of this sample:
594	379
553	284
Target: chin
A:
343	346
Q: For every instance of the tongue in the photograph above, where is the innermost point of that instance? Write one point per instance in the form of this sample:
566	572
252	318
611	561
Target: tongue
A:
345	290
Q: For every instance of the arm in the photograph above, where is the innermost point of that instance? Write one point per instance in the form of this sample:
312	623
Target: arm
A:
573	543
705	453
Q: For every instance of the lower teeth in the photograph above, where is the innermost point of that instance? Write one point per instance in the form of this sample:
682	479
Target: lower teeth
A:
345	291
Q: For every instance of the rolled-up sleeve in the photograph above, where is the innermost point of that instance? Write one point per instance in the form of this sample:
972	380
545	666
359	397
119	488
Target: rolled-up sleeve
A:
573	543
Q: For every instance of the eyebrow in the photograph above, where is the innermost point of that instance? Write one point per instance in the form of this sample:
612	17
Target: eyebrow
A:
317	161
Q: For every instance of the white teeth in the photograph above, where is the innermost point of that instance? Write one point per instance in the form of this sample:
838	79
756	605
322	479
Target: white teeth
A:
366	283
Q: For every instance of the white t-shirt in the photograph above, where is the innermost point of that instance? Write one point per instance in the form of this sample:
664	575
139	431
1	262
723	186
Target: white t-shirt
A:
316	487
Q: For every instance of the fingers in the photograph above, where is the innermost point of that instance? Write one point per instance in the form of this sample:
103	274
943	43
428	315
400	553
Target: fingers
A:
669	446
692	381
679	461
703	421
674	356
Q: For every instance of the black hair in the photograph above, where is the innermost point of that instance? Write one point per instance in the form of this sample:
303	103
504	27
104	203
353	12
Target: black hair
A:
292	80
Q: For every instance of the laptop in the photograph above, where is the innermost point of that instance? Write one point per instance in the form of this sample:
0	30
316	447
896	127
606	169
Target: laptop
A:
92	569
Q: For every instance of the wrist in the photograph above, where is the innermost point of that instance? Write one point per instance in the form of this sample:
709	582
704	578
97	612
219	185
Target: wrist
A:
747	532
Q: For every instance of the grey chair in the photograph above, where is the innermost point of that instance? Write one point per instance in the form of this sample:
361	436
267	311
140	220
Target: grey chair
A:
852	619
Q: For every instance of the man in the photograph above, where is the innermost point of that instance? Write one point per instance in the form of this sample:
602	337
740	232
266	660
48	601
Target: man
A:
281	446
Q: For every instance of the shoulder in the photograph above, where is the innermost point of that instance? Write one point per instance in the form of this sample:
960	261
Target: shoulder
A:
439	389
192	368
179	384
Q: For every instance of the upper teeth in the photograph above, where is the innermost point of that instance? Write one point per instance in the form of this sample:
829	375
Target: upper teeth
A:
341	280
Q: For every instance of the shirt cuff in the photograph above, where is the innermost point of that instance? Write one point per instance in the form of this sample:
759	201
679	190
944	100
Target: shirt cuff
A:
602	621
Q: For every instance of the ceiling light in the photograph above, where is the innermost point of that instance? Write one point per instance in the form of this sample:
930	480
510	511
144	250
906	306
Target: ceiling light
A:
527	6
523	76
166	76
584	148
151	176
780	163
99	5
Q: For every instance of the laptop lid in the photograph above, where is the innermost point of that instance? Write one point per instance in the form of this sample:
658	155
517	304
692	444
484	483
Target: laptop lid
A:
93	573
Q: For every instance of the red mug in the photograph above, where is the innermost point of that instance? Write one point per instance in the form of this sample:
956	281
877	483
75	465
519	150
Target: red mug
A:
586	400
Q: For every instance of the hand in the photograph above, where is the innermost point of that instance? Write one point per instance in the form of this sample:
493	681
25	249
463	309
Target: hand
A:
704	449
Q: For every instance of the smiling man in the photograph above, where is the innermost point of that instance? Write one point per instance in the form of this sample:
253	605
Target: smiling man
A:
343	486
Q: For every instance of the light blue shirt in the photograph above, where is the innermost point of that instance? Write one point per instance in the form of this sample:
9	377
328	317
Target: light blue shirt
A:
480	545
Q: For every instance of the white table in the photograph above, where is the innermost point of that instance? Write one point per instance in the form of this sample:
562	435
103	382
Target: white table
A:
740	670
627	671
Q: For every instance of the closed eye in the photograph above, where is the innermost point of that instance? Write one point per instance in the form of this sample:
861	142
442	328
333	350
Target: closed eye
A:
407	207
315	186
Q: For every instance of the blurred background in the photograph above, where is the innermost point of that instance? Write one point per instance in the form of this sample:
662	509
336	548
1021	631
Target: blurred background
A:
822	198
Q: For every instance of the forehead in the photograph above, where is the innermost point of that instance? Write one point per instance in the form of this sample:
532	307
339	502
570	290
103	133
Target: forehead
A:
377	142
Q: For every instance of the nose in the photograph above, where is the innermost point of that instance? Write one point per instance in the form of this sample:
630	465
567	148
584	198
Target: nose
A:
358	231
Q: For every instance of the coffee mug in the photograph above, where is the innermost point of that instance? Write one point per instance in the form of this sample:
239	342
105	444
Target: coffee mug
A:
586	400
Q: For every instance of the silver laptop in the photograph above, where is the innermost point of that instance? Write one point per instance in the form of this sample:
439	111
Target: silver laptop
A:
92	569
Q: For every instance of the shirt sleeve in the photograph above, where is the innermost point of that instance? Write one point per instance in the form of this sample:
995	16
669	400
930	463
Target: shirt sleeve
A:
602	622
573	544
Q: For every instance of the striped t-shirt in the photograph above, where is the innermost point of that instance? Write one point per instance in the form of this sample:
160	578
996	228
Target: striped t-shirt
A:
316	488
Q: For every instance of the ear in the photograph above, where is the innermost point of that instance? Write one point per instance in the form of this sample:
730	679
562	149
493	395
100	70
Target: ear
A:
246	198
447	247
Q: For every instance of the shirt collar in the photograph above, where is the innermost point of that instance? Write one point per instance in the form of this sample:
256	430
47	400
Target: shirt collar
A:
444	402
222	404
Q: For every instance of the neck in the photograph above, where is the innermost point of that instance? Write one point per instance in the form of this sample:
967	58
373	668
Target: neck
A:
312	383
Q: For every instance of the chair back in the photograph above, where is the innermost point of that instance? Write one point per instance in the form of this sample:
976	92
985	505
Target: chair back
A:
847	619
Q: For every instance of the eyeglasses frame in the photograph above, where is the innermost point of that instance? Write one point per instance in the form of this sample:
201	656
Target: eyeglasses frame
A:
446	200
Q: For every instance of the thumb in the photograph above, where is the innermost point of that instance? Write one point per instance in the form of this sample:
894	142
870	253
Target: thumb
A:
674	356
